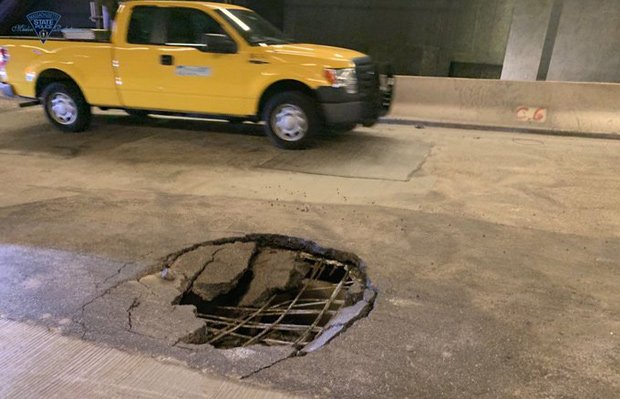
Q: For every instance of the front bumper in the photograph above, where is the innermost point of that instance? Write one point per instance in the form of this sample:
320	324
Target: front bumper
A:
7	90
373	100
350	112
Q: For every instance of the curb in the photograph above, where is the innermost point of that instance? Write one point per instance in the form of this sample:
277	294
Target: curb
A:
468	126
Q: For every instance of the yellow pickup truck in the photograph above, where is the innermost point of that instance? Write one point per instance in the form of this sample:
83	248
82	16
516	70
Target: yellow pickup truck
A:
187	57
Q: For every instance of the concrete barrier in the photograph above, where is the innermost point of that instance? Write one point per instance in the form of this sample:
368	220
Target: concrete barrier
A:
561	107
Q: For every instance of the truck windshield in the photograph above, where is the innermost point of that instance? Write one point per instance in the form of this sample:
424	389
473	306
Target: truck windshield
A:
255	29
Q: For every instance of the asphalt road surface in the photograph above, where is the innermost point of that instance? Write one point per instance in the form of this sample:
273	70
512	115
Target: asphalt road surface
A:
496	255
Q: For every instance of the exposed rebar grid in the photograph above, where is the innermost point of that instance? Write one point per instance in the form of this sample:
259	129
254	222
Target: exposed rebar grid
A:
295	317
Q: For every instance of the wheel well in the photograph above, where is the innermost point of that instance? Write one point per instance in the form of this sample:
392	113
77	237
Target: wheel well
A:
281	87
51	76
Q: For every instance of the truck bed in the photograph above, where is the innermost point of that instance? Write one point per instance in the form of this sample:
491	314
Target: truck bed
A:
86	61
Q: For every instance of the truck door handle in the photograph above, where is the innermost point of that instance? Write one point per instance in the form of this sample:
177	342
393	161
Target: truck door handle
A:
166	60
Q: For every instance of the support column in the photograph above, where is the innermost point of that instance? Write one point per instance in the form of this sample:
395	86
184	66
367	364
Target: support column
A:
526	42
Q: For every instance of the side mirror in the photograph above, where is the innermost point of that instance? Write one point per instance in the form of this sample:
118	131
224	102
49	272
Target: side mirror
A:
216	43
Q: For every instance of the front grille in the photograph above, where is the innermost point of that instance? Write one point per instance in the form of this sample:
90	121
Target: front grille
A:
375	85
367	77
386	86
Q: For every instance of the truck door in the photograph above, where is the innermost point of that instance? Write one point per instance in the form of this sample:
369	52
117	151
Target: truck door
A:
199	80
175	72
139	73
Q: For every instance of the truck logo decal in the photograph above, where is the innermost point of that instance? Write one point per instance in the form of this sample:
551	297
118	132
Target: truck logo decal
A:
43	23
193	71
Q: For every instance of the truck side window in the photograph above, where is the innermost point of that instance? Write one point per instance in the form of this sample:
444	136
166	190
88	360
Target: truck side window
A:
142	25
188	25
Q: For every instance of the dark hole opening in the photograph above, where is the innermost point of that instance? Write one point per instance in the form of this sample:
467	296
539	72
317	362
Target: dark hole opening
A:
295	316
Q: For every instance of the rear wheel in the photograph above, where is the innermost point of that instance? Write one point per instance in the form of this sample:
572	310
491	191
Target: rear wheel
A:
291	120
66	107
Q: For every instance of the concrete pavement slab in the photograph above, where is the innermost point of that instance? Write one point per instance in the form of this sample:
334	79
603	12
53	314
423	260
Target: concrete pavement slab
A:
496	263
370	158
483	306
39	363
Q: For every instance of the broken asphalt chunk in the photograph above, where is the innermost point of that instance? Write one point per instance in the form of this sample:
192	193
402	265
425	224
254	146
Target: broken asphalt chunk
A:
222	274
274	270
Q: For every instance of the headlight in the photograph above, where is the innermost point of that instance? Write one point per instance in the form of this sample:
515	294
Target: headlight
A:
345	77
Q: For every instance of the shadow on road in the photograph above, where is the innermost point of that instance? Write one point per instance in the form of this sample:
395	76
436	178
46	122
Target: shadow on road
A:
130	140
192	125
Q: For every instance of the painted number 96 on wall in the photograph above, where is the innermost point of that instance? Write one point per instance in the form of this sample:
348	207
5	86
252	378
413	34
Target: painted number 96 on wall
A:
532	114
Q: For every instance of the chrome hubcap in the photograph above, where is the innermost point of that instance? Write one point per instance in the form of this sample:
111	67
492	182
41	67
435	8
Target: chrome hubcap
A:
289	122
63	109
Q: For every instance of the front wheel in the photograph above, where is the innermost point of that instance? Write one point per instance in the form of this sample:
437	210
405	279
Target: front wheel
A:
291	120
66	107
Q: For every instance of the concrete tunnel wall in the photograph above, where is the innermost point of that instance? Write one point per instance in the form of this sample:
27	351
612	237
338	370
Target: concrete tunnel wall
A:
420	37
564	40
551	106
587	48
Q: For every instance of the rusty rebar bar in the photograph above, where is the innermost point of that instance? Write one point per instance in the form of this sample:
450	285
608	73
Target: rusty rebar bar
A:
266	331
242	323
325	309
246	337
267	312
279	327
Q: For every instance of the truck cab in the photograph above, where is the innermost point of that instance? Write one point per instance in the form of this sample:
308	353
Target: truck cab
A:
213	59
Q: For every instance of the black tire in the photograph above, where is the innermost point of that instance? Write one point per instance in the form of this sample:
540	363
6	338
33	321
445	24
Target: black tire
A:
73	98
340	129
305	107
137	113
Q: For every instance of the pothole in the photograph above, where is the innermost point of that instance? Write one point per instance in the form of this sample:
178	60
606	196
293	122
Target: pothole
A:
268	290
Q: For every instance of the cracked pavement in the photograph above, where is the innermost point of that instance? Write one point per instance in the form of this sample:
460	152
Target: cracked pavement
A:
150	307
497	262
